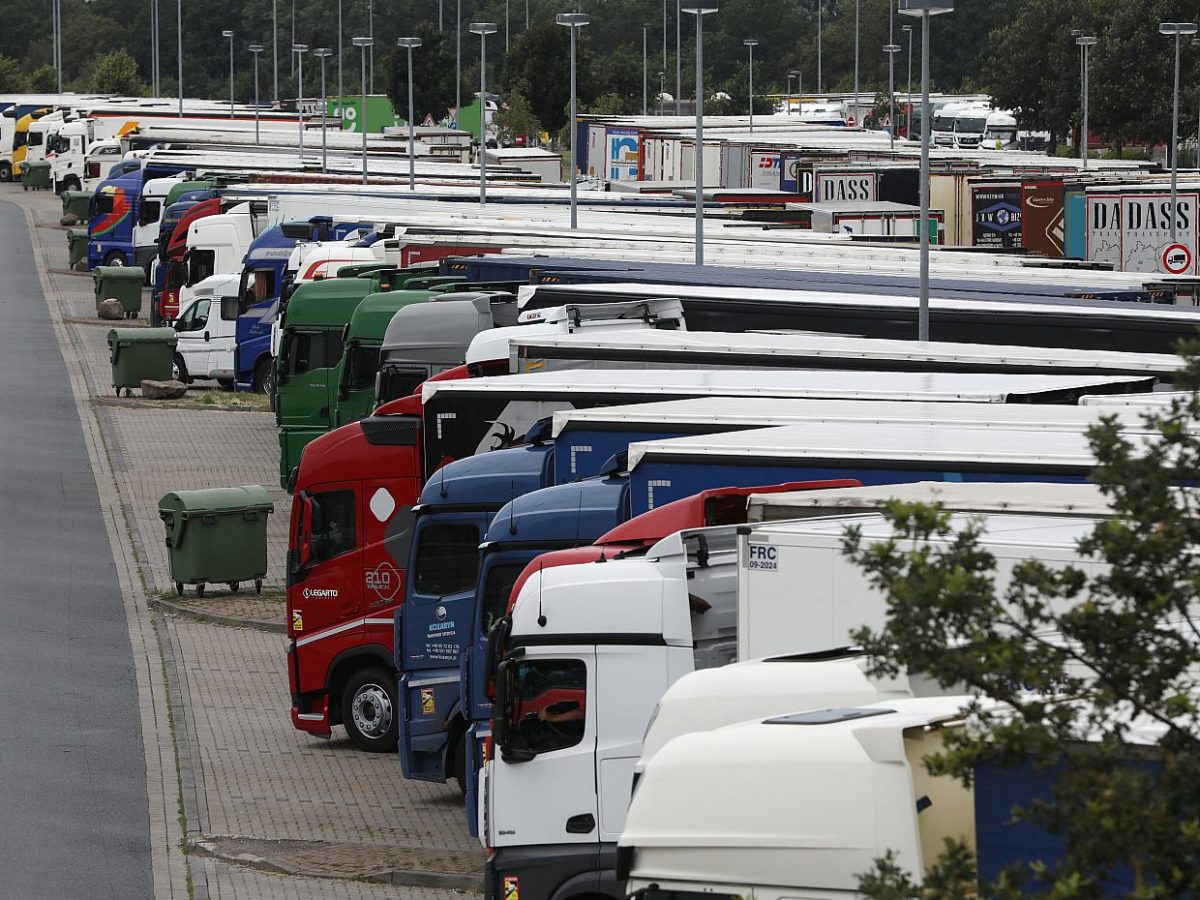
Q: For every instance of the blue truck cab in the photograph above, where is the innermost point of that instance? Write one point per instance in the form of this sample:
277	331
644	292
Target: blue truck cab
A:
262	283
431	625
114	217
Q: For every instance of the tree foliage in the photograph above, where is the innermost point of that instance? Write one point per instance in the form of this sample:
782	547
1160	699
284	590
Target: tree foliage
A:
116	73
1077	656
516	118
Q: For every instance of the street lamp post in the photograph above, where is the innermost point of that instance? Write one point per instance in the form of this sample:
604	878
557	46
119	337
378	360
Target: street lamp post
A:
483	29
458	58
340	54
255	50
410	44
662	91
820	9
275	50
857	113
699	8
907	29
573	21
1085	43
298	51
678	60
924	9
1196	43
506	28
229	34
750	44
363	44
798	74
790	78
891	50
370	49
179	53
1176	30
645	68
323	53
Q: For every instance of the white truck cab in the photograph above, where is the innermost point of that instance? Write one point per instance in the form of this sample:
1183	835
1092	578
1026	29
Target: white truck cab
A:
216	245
206	331
149	215
796	805
99	159
67	152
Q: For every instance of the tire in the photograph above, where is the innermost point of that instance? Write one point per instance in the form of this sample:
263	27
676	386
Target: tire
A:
200	589
114	258
179	588
264	376
370	711
179	370
6	172
70	183
234	585
226	383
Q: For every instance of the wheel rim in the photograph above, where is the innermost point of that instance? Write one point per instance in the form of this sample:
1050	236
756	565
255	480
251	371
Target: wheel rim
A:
268	381
176	372
371	711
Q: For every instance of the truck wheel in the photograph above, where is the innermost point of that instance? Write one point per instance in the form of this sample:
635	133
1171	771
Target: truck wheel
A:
226	383
114	258
264	376
5	171
70	183
179	370
369	711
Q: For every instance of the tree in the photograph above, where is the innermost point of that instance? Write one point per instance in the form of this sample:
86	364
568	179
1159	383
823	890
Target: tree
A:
539	62
1120	636
516	118
117	73
12	79
43	80
433	75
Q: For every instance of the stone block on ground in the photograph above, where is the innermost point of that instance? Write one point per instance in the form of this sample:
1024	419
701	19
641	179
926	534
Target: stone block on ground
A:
163	390
69	219
80	266
110	309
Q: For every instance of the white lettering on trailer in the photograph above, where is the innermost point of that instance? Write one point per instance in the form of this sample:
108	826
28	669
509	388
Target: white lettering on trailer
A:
440	417
578	448
650	486
320	593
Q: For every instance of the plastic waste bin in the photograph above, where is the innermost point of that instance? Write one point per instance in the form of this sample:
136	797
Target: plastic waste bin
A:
35	176
217	535
77	244
138	354
122	283
77	204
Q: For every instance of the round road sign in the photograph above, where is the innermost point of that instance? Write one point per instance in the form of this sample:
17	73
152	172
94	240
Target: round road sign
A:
850	122
1177	259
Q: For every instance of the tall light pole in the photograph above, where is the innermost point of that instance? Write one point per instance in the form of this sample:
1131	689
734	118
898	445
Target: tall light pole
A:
255	50
907	29
483	29
1076	34
506	27
791	76
573	21
229	34
154	88
662	91
1176	30
891	50
458	58
678	60
798	74
179	51
820	10
370	50
363	44
1196	43
410	44
340	54
293	36
664	42
857	113
750	44
440	15
924	9
323	53
298	51
699	8
1085	44
645	68
275	50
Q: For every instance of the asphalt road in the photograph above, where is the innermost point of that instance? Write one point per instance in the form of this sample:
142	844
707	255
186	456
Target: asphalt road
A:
73	811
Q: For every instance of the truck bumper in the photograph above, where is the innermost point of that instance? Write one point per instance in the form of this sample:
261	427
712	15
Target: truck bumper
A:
312	717
552	871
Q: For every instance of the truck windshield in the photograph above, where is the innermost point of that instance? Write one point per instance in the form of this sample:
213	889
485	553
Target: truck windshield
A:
547	705
35	139
497	587
971	125
447	560
362	366
943	122
398	381
201	264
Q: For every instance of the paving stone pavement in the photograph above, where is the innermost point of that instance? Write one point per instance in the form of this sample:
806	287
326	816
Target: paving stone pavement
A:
245	774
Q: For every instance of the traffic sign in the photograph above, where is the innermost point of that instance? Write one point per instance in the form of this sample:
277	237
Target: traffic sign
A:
850	121
1177	259
887	121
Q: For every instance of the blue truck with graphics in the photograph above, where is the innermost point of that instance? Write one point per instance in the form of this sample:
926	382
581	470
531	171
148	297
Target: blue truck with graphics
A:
115	214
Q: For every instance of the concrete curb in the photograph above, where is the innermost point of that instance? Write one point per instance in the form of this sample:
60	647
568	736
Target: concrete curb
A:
395	877
188	612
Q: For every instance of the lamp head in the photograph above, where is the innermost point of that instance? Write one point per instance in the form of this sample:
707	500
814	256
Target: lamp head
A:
698	7
299	48
408	43
255	48
362	41
1177	29
573	20
226	34
482	28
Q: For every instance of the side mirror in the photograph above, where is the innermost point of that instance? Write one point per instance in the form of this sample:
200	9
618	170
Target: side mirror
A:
500	705
303	553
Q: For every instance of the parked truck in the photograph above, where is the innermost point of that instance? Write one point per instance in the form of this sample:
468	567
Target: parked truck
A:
630	629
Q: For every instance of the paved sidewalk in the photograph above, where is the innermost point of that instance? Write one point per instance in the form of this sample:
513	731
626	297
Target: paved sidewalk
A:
246	779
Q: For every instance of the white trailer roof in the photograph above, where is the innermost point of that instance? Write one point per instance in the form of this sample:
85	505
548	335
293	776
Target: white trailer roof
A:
1035	498
748	412
1156	399
879	442
817	349
958	387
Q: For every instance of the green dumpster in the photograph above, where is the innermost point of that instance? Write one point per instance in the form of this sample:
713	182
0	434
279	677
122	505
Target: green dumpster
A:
217	535
77	244
77	204
122	283
35	176
140	354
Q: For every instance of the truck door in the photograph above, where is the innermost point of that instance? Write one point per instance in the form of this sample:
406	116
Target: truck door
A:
549	797
302	404
327	602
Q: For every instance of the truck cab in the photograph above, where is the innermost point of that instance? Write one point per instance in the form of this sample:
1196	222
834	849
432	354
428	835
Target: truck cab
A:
40	136
67	151
205	331
172	253
98	162
969	128
217	244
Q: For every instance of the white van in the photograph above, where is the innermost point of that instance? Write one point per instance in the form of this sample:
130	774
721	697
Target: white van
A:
206	331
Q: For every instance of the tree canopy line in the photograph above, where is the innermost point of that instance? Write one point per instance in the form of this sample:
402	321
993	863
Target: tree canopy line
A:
1020	51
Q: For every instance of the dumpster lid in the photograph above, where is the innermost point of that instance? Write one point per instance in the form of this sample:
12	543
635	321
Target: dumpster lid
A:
117	273
214	500
142	335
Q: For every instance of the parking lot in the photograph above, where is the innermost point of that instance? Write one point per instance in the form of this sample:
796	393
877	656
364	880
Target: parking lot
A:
240	804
